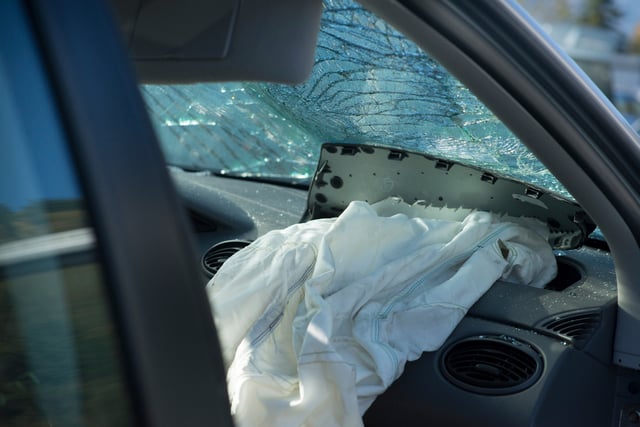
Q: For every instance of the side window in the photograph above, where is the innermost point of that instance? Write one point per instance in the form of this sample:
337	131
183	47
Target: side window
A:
603	37
59	356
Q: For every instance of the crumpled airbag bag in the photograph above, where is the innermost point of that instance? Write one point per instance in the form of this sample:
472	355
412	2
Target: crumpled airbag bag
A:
318	319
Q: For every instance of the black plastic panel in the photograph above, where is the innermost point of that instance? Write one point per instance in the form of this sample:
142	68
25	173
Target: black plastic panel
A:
237	208
424	396
527	306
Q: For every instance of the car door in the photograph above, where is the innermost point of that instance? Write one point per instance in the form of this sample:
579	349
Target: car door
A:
104	320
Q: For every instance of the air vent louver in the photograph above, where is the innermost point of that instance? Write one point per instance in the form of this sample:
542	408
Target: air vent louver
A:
575	326
492	365
216	255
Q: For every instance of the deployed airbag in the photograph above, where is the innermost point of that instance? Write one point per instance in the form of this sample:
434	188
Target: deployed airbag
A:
318	319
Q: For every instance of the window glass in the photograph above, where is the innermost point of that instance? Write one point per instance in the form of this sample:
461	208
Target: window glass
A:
59	359
370	84
603	37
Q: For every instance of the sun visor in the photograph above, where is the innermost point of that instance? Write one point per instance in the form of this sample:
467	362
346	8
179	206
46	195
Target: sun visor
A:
171	41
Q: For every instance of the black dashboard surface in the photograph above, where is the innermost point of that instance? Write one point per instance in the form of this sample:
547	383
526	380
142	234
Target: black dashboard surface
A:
584	294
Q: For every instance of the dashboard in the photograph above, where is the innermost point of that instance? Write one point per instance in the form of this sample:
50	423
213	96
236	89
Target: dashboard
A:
521	356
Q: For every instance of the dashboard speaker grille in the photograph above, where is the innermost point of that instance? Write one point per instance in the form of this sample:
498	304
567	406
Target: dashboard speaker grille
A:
491	365
217	254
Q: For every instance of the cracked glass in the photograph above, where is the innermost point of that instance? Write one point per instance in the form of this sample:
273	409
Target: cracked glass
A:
370	84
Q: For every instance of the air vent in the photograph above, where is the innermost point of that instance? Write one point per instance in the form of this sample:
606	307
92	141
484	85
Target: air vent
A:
491	365
217	254
569	273
200	223
575	326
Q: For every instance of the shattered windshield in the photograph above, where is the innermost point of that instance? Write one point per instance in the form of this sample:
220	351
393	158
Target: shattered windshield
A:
370	84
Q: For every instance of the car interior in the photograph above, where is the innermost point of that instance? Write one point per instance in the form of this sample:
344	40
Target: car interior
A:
521	356
565	354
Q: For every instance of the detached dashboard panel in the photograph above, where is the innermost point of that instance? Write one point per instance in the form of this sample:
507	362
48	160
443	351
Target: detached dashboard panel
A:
445	189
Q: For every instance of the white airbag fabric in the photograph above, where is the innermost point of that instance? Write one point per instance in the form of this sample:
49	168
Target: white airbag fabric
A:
318	319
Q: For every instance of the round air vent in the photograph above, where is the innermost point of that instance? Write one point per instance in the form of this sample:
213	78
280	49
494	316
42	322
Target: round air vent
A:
577	326
217	254
491	365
